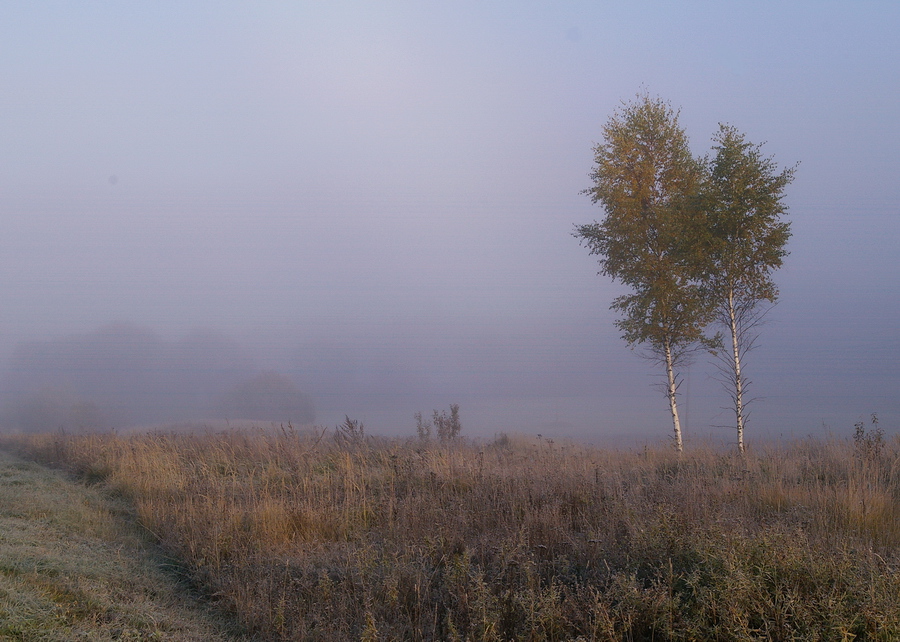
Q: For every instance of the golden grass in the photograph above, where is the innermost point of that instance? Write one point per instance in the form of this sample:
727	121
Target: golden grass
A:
306	538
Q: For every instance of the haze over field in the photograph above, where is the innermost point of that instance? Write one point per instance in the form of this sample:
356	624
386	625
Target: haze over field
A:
377	201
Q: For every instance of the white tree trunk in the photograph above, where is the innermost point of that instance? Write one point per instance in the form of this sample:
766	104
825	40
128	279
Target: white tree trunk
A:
738	380
671	392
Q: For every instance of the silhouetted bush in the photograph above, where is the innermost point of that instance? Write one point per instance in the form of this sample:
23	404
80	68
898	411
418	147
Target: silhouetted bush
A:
269	396
50	409
446	426
129	373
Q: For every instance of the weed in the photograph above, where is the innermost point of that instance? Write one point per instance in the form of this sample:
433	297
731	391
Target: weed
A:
869	445
423	427
351	431
447	427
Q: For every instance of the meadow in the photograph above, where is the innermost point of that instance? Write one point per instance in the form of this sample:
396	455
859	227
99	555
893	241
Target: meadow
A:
334	535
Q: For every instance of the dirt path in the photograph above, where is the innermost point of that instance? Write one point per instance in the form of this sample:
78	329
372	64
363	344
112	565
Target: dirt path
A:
75	566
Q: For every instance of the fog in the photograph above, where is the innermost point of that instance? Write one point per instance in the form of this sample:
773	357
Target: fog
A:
306	212
123	375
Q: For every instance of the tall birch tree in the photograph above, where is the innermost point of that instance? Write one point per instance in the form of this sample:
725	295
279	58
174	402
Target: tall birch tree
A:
745	237
647	182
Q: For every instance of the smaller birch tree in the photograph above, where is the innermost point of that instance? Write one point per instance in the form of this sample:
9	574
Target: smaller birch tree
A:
744	241
647	181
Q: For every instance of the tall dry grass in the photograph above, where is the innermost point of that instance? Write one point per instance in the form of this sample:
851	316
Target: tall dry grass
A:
305	538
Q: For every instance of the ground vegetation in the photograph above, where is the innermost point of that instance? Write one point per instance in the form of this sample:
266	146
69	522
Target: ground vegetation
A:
304	537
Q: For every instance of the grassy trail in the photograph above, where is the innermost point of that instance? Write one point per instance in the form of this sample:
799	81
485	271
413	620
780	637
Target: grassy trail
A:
75	566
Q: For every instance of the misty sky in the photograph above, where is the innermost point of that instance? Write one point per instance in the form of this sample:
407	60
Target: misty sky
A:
378	199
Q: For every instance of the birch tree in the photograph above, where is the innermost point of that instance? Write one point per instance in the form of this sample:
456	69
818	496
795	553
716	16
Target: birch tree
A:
745	238
647	182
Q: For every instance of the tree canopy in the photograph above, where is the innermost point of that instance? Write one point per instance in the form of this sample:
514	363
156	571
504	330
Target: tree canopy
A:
696	240
648	183
743	205
744	239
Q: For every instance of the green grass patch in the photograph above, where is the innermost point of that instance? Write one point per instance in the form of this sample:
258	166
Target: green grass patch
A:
75	566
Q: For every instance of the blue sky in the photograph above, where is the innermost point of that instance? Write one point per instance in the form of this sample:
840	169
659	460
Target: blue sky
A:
378	198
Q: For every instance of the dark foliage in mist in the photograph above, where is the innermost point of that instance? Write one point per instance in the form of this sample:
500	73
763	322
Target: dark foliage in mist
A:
268	396
124	375
51	408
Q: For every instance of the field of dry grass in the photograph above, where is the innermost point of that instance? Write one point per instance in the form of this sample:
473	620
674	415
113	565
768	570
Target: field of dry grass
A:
311	538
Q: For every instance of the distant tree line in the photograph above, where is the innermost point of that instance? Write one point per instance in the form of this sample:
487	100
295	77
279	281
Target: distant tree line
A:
124	375
695	239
